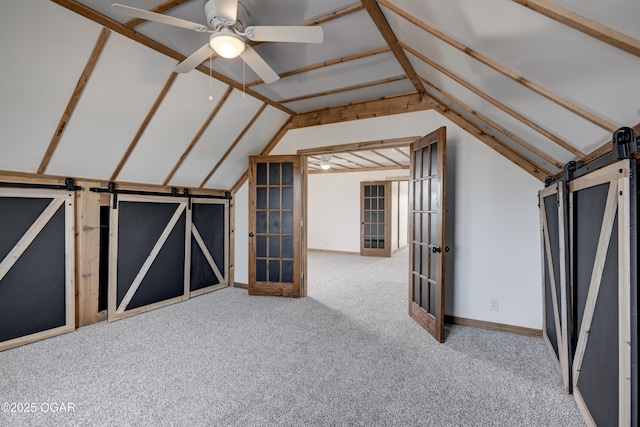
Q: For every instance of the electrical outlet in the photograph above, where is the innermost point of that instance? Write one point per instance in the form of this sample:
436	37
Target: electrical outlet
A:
493	304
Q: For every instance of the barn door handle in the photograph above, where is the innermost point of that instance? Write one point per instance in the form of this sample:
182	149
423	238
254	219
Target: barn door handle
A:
436	249
251	234
446	248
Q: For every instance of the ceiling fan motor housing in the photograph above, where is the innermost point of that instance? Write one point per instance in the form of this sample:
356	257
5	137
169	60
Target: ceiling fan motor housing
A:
214	21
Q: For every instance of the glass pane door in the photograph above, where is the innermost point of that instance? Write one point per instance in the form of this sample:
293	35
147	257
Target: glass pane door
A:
274	226
375	217
427	226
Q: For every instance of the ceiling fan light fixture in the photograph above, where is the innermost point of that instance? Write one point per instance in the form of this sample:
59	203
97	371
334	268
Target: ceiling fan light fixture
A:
227	44
325	164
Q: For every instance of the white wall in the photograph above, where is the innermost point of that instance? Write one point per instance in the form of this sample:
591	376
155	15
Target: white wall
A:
492	207
403	215
334	208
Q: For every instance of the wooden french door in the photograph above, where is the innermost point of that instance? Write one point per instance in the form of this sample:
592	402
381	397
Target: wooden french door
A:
555	276
427	230
275	261
375	218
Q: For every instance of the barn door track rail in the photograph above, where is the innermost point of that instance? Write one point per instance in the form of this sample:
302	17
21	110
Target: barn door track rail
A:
69	185
111	189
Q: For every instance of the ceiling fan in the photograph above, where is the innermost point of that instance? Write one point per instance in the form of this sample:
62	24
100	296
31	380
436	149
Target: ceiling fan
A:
226	22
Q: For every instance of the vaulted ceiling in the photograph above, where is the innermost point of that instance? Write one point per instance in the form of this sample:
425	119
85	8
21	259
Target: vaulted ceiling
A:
87	92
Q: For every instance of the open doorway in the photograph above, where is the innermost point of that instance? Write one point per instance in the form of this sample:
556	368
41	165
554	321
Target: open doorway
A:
339	222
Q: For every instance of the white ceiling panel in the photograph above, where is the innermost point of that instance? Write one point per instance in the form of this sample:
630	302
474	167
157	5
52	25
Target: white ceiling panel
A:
33	98
349	35
369	69
549	115
543	50
493	113
287	12
352	96
501	137
104	7
179	39
115	102
394	155
620	15
233	117
177	121
252	143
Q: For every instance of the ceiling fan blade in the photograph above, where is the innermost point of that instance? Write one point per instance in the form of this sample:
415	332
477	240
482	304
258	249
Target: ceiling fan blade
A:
157	17
257	64
227	11
195	59
293	34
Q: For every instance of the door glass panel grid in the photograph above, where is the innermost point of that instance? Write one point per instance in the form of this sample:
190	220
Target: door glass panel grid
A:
274	222
425	235
374	216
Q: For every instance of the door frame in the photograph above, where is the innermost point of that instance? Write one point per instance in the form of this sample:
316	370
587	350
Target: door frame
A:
298	287
386	251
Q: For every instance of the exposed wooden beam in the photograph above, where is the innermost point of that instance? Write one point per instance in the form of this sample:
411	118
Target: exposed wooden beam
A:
159	47
334	15
359	166
143	126
235	143
497	145
327	64
196	138
317	21
384	168
75	98
402	152
496	126
587	115
366	159
386	158
362	110
344	89
265	151
587	26
359	146
161	8
495	102
385	29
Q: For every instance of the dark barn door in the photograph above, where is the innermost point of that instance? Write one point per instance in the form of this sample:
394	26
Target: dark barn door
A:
428	248
150	254
599	211
275	261
555	326
37	255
